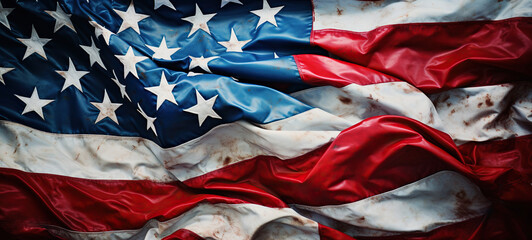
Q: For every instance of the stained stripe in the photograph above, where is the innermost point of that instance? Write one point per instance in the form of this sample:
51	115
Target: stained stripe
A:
430	56
63	233
217	221
340	15
356	103
440	199
466	114
486	113
130	158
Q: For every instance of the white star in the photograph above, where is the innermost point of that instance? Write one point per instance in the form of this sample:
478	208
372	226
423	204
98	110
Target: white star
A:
163	91
107	108
267	14
61	18
275	55
224	2
121	86
99	30
203	108
130	18
34	103
159	3
34	44
163	52
201	62
149	120
3	15
72	76
130	60
3	71
94	54
199	21
233	45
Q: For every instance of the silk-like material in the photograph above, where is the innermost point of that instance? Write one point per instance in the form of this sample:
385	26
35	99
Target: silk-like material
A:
430	56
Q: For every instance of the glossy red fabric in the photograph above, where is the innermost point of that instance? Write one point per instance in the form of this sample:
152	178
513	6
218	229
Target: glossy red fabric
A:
431	56
322	70
31	201
372	157
505	164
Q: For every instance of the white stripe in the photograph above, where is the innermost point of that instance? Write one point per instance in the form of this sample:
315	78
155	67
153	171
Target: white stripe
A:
130	158
63	233
355	103
438	200
465	114
486	113
217	221
361	16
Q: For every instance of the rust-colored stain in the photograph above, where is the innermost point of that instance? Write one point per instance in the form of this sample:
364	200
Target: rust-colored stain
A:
504	118
227	161
409	89
18	145
462	205
371	3
488	101
345	100
431	118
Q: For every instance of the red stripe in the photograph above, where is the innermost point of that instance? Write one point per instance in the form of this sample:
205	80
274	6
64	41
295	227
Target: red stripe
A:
430	56
505	164
31	200
372	157
325	71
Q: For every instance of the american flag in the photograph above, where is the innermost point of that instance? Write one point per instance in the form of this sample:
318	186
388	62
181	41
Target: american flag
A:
265	119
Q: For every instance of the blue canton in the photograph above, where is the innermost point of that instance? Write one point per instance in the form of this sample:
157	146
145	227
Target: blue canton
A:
168	71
